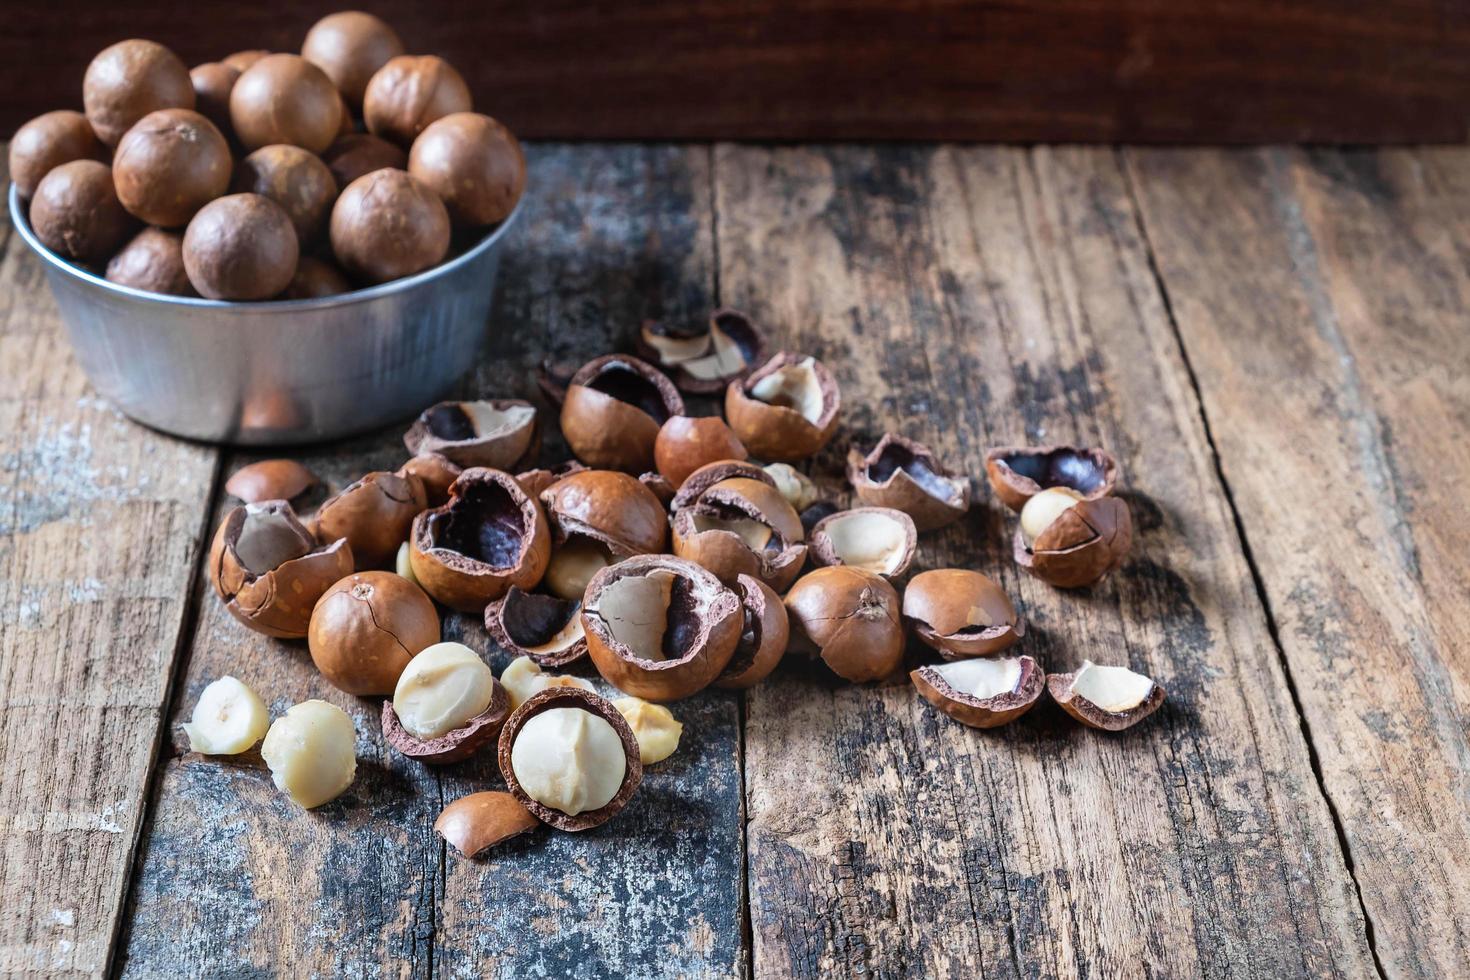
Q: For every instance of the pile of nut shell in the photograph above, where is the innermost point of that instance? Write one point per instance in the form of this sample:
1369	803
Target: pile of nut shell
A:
267	175
662	557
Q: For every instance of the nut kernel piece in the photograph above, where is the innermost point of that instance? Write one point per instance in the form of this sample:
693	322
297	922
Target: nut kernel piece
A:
573	565
523	679
312	752
402	565
798	489
441	689
228	719
654	726
569	759
1044	508
1112	689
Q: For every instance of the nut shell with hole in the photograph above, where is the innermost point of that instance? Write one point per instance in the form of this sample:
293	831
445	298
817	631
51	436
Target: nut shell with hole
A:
1079	547
500	434
374	514
1107	698
473	824
906	476
610	507
742	527
684	444
1018	473
367	627
982	693
764	634
961	613
709	474
786	410
270	571
704	358
880	540
613	409
851	618
546	628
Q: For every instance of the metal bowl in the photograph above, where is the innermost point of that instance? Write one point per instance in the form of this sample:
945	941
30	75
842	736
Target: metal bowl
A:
280	372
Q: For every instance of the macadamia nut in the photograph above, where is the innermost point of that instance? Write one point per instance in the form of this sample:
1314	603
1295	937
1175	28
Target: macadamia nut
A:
573	565
1044	508
653	725
228	719
569	759
441	689
523	679
402	565
312	752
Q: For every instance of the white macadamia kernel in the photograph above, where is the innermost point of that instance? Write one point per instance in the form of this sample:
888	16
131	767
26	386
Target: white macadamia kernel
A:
441	689
798	489
982	678
573	565
1114	689
228	719
569	759
1043	509
312	752
523	679
403	566
653	725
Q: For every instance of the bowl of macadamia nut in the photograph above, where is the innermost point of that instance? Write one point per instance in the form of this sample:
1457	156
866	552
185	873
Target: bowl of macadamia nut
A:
275	247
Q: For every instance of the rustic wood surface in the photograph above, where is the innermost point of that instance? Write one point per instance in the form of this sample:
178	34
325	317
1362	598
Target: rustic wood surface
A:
1271	341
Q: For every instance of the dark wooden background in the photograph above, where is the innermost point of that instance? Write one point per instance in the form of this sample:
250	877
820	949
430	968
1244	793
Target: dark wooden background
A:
1004	70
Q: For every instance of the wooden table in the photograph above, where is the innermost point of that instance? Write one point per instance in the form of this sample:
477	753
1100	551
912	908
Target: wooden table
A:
1274	343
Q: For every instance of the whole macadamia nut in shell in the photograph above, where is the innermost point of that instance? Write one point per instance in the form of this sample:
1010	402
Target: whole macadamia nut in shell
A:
474	164
129	80
386	225
240	247
76	214
410	92
315	278
48	141
355	154
169	165
153	261
366	628
283	98
296	180
350	46
213	82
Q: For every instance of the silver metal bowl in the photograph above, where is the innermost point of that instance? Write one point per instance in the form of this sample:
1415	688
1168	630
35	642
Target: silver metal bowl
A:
280	372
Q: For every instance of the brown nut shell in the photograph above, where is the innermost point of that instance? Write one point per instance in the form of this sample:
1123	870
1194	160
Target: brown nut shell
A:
408	93
669	602
283	98
1080	547
1018	473
241	247
270	571
704	360
76	214
499	434
786	410
905	475
474	164
153	260
537	481
473	824
354	154
241	60
851	617
977	712
880	540
613	410
213	82
453	746
764	636
47	142
543	627
712	533
659	485
350	46
684	444
374	514
1061	688
270	479
387	225
315	278
488	537
610	507
367	627
296	180
711	473
961	613
127	81
571	697
169	165
436	472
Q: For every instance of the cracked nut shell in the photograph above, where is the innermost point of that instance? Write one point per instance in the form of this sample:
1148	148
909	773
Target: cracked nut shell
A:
765	632
546	628
1122	705
905	475
537	481
703	359
875	539
961	613
1018	473
436	472
453	746
610	507
473	824
1080	547
740	527
499	434
851	618
685	443
612	412
709	474
786	410
270	479
487	538
982	693
660	628
408	93
572	697
270	571
374	515
367	627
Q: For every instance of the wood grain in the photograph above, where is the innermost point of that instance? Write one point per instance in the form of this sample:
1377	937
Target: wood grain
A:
989	296
234	878
1331	356
100	525
1069	70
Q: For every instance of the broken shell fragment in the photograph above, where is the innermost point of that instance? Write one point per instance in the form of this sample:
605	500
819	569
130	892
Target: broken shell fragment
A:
536	481
742	527
610	507
497	434
524	679
708	475
875	539
1108	698
374	515
546	628
659	485
982	693
1017	473
270	479
473	824
612	412
446	706
703	359
906	476
270	571
786	410
436	472
851	618
1082	545
660	628
961	613
487	538
764	634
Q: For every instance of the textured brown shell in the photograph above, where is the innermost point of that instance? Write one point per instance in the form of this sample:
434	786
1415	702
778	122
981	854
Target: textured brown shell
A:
665	680
170	164
436	472
606	433
712	473
536	482
270	479
852	618
1060	686
465	583
659	485
474	164
153	261
297	180
775	433
982	712
130	79
367	627
728	556
354	154
748	338
902	492
241	247
278	603
283	98
937	605
1085	543
408	93
452	746
48	141
76	214
686	443
824	551
499	450
571	697
374	515
473	824
1093	473
495	624
610	507
768	628
386	225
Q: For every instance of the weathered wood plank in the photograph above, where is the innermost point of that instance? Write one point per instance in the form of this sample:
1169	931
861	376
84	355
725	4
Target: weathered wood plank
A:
100	524
236	878
976	297
1323	300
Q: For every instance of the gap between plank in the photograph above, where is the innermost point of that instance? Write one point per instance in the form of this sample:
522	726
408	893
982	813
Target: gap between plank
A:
1257	581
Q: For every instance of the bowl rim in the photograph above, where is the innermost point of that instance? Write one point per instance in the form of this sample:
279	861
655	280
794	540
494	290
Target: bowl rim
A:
20	219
